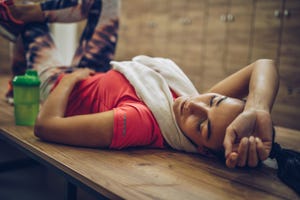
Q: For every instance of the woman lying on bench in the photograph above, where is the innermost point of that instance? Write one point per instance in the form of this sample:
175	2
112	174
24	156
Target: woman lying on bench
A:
150	102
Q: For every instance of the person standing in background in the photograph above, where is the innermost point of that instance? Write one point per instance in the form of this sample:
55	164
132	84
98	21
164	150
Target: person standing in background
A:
96	46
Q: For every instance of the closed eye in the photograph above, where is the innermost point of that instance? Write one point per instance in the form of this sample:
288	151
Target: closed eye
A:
222	99
199	127
211	100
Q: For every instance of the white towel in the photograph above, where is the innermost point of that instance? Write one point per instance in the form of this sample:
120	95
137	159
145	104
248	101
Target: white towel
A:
152	79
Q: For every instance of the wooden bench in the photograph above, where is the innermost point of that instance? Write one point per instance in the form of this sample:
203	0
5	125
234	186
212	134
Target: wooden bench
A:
147	173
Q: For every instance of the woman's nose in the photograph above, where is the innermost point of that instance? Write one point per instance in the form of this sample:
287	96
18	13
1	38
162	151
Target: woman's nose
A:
199	107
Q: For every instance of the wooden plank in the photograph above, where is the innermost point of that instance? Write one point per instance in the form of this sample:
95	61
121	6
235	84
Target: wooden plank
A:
143	174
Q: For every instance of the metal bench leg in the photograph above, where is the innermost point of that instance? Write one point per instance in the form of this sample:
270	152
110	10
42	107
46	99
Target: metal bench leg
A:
71	192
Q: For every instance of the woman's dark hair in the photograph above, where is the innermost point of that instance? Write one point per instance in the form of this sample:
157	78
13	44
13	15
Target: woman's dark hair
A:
288	162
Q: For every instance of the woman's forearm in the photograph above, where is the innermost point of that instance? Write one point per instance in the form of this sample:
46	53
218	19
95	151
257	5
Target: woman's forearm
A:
251	131
263	86
56	102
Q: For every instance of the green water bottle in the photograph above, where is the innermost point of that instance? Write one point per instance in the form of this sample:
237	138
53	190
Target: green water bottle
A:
26	98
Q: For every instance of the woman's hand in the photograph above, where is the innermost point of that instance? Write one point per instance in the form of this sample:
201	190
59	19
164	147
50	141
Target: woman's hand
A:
248	139
90	130
56	103
79	74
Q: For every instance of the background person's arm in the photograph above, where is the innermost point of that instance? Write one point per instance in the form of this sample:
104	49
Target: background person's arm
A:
93	130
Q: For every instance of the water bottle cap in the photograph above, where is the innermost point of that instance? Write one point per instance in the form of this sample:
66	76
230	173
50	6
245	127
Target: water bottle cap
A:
30	78
31	72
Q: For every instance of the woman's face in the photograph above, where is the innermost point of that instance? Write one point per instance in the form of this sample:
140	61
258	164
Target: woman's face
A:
204	118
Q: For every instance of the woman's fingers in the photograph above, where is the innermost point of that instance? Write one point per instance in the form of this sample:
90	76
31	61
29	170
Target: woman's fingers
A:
243	152
230	137
252	153
231	160
262	151
82	73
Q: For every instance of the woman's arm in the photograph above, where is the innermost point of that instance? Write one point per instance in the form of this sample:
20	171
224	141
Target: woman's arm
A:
93	130
258	81
264	84
248	138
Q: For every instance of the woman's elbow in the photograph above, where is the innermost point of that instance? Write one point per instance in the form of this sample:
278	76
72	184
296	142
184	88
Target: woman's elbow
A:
270	64
267	62
39	128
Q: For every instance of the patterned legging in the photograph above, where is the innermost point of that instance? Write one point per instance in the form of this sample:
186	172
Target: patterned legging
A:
96	46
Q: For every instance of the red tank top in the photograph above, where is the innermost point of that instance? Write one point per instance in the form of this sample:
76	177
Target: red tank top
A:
134	124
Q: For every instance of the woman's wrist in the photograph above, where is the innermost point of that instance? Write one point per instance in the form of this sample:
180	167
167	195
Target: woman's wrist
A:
263	86
256	111
257	101
69	80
